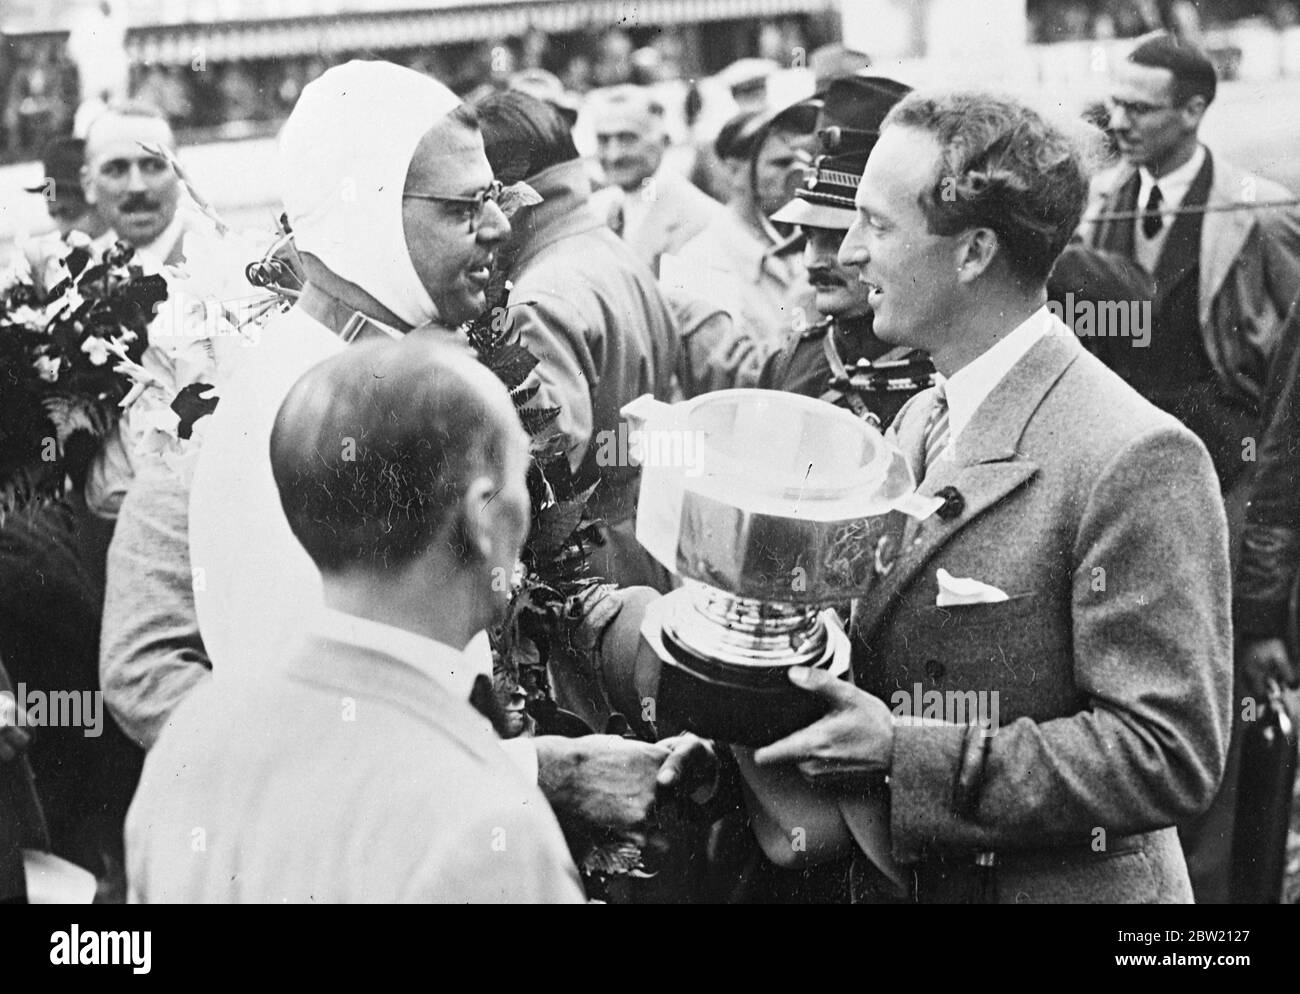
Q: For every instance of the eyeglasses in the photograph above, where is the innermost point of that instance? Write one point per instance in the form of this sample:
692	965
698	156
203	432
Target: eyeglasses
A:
1134	108
472	206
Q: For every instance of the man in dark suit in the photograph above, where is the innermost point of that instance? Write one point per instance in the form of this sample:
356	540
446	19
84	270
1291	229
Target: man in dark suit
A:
369	776
1224	251
1224	256
1068	600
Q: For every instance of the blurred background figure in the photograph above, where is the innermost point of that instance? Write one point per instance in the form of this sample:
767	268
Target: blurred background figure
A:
746	79
65	202
97	46
742	258
653	208
834	61
546	86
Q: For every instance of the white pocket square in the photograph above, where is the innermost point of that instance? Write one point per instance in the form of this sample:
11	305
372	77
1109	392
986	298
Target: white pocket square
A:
957	590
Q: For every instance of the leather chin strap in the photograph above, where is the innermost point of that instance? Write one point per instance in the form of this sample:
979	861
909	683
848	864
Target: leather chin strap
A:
348	323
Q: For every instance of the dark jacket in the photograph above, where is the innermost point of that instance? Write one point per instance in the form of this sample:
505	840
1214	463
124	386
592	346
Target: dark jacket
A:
1270	551
594	315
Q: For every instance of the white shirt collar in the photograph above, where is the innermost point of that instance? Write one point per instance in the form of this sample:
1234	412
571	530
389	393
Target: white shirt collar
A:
967	388
151	257
1173	185
454	670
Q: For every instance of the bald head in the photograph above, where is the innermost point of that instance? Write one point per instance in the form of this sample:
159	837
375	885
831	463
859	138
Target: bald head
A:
374	451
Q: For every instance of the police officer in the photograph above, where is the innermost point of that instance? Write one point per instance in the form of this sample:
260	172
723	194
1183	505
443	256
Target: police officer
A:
837	357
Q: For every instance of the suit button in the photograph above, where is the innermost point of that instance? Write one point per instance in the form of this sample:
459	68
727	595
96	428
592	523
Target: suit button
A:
935	670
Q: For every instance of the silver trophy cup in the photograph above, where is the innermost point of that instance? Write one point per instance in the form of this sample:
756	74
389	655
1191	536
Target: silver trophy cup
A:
771	508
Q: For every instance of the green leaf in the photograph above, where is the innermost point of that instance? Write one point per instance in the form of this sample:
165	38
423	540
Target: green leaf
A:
512	364
554	526
523	395
536	418
190	405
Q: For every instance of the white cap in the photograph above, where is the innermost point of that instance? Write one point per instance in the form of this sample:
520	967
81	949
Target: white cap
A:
344	154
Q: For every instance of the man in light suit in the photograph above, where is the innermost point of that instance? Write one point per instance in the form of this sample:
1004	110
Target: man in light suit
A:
1223	248
1087	525
366	774
652	207
137	195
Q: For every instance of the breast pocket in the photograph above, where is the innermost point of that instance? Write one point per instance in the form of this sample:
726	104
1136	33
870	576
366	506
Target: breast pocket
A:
1014	655
978	615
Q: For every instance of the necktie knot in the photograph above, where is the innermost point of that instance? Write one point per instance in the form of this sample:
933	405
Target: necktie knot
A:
1152	221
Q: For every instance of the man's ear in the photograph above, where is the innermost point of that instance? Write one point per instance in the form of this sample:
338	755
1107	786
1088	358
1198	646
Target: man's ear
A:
980	248
475	520
87	187
1193	110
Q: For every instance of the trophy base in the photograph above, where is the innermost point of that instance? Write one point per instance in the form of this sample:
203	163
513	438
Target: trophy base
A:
749	704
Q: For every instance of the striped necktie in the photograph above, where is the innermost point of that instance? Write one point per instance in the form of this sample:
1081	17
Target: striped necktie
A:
936	432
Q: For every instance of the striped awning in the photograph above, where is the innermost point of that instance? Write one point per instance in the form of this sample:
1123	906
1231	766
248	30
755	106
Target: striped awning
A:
181	44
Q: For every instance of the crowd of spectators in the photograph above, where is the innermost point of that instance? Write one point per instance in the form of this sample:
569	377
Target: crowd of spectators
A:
41	86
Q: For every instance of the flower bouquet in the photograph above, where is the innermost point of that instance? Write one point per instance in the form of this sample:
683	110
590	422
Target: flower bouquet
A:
69	364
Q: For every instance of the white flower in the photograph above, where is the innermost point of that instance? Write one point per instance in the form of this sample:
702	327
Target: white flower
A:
18	271
27	316
97	349
47	368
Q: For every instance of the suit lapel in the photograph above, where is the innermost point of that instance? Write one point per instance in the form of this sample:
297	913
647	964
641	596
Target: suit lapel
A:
1116	235
984	469
1182	249
1223	232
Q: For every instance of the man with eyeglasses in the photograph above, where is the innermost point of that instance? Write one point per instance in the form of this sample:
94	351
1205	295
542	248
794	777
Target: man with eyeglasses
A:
392	202
1223	248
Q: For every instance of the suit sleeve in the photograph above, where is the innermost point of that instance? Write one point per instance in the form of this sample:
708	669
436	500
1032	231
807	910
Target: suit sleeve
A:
151	653
715	353
510	855
553	330
1152	659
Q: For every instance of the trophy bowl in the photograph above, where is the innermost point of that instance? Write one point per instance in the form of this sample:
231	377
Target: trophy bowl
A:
770	507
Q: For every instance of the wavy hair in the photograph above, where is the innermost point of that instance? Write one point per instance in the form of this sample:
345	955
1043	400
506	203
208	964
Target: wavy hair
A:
1002	166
